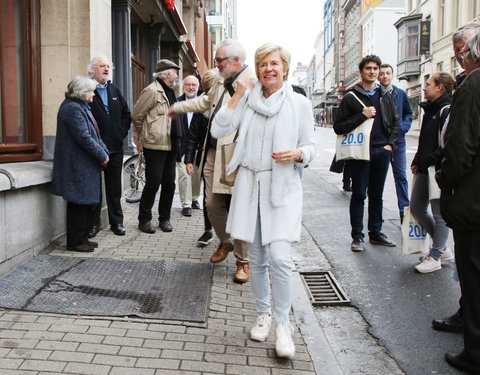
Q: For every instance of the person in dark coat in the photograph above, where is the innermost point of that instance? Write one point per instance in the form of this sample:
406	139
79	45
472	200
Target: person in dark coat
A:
188	186
438	92
113	118
79	156
459	181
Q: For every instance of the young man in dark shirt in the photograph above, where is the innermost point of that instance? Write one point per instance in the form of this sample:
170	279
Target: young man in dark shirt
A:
369	176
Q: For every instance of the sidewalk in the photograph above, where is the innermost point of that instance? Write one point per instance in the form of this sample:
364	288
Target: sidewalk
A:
43	343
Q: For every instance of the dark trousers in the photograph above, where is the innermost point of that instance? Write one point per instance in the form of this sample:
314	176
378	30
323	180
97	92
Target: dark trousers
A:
467	257
78	223
159	170
399	166
113	191
208	224
368	177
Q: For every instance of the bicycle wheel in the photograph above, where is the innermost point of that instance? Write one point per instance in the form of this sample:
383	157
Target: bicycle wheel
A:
134	178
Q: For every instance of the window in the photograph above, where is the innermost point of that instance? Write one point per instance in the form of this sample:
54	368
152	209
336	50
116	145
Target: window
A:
442	18
440	67
475	8
20	82
456	68
408	41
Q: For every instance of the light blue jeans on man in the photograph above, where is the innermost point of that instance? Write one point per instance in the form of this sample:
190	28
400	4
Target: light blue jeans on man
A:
434	225
279	256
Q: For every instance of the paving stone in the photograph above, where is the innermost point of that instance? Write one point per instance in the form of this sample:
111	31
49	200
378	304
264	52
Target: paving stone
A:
182	354
139	352
29	354
38	365
78	337
87	369
98	348
57	345
114	360
131	371
158	363
59	355
217	368
10	363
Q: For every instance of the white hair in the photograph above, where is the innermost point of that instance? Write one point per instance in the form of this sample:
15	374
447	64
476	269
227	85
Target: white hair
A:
79	87
93	63
233	48
164	73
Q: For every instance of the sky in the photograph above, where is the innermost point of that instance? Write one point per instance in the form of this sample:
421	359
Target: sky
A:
292	24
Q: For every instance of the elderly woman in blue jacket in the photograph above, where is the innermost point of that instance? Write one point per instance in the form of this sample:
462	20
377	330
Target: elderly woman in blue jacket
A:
79	157
275	137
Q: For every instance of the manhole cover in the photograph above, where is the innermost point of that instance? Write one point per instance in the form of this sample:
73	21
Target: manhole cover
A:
323	288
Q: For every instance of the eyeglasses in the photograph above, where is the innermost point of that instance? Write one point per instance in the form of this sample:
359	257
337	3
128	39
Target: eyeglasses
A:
104	66
463	53
219	60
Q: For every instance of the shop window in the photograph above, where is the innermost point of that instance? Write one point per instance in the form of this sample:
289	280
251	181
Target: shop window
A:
20	81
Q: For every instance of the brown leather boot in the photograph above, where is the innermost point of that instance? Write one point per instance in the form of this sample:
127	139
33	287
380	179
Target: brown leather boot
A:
221	253
241	276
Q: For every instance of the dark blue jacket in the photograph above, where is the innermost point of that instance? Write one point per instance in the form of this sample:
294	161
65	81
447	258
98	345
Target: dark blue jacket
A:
404	112
115	123
78	154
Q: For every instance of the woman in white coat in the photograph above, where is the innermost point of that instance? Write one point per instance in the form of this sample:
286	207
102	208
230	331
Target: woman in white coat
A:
275	137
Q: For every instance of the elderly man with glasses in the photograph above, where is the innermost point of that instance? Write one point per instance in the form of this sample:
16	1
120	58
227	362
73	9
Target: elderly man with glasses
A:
113	118
229	60
459	181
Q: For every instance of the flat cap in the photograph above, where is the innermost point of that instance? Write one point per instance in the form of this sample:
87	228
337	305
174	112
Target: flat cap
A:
165	64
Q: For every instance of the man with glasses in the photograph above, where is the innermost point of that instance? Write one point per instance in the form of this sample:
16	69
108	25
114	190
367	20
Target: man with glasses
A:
229	60
113	119
459	181
188	186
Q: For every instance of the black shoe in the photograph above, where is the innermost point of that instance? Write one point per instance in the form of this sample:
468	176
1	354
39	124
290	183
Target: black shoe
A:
358	244
146	227
118	229
165	226
195	205
186	211
92	232
453	323
463	363
381	239
205	239
347	188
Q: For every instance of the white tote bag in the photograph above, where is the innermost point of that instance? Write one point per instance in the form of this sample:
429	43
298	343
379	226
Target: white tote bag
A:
433	189
414	236
356	144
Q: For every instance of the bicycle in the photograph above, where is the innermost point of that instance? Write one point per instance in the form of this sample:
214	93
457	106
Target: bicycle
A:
134	178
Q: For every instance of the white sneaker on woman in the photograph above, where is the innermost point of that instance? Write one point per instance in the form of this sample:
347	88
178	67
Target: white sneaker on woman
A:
428	265
447	255
284	345
260	330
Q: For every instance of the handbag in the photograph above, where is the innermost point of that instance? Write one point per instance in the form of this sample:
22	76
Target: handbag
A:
227	151
433	189
414	236
356	144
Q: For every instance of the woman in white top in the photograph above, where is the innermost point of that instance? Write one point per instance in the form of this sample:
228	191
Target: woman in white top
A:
275	137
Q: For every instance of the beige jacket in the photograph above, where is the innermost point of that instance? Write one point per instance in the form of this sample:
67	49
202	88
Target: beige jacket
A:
206	103
149	116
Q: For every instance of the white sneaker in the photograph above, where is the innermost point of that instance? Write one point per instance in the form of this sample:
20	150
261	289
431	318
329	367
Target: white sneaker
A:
260	330
428	265
447	255
284	345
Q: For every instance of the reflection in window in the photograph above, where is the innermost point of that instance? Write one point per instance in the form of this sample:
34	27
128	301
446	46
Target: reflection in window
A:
13	73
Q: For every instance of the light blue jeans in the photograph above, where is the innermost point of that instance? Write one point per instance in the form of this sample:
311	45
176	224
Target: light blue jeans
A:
279	256
434	225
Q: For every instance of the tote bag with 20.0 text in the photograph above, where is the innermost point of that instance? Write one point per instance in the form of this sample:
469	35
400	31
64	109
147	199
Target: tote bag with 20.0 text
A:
356	144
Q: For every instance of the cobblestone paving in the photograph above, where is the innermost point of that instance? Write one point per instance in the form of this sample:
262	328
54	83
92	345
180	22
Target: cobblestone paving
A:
41	343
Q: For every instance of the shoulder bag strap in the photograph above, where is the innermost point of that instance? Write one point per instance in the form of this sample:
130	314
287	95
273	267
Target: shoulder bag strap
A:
356	97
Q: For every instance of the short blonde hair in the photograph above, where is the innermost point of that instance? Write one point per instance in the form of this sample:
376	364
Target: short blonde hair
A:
268	48
207	80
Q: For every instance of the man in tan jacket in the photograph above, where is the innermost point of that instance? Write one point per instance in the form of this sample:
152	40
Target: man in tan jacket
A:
229	59
158	136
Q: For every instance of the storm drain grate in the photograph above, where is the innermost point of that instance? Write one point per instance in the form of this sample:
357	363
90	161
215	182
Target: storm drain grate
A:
323	288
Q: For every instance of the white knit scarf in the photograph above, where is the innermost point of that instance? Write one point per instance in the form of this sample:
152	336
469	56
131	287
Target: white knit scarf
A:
285	135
